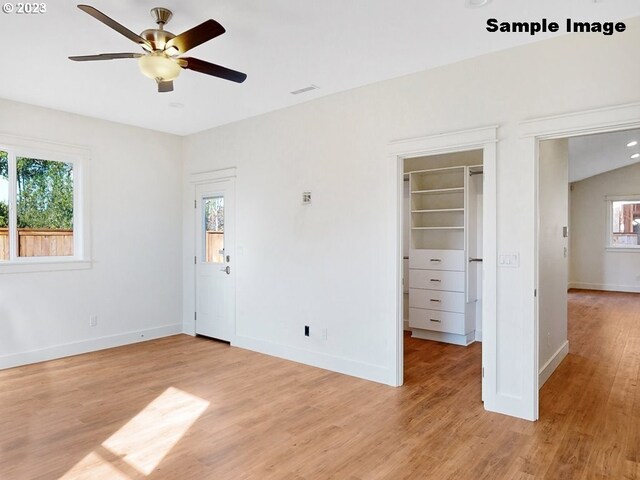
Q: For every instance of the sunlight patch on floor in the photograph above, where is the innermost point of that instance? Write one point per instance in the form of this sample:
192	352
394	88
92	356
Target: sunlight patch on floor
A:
145	440
93	467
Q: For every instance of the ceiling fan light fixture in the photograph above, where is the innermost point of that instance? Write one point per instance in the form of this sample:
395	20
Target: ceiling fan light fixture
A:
158	66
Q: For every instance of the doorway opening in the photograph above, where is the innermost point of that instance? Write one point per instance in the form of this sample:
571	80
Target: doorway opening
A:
442	242
588	247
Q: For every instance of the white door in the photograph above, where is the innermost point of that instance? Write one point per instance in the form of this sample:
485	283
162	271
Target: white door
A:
553	268
215	258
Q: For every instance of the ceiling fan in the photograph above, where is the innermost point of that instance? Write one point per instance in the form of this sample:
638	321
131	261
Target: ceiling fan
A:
160	60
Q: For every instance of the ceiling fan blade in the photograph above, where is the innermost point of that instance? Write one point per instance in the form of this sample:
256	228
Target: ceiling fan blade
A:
110	22
195	36
165	87
105	56
213	69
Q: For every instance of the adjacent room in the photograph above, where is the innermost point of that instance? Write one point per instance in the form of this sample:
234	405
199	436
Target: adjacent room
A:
302	240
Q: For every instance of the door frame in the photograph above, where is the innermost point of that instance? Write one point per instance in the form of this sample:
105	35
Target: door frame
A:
484	139
532	132
190	243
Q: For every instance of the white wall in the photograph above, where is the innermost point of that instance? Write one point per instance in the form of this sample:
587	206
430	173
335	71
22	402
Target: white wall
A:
330	264
553	266
592	265
134	285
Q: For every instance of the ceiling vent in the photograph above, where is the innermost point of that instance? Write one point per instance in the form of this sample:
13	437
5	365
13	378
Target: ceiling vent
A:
305	90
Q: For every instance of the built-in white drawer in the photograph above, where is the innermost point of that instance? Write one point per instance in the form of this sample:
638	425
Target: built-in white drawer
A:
437	280
437	300
439	321
437	259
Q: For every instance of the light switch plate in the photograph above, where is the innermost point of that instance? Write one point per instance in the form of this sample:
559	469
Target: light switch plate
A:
509	260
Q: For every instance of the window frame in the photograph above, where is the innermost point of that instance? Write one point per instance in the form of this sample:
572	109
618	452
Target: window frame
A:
43	150
609	199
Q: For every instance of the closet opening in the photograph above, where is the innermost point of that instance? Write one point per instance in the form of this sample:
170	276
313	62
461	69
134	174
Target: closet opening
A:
442	228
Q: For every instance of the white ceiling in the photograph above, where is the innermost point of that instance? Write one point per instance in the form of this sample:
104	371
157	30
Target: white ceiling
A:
591	155
282	45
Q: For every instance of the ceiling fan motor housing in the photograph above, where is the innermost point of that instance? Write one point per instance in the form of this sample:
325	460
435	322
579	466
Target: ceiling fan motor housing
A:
157	38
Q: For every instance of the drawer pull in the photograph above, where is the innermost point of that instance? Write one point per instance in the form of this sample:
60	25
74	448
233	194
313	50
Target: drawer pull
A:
434	320
434	300
435	280
435	260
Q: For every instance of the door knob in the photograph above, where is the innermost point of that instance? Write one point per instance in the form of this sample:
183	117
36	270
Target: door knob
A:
226	269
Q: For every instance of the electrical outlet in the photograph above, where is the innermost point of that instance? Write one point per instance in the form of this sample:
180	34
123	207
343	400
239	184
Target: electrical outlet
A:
548	339
93	321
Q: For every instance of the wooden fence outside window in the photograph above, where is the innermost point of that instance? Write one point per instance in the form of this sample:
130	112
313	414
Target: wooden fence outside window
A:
38	243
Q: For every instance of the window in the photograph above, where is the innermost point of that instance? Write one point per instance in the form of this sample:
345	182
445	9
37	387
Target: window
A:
624	221
214	228
40	203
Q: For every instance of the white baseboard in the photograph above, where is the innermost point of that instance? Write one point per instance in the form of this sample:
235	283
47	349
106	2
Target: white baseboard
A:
406	326
84	346
346	366
605	287
478	335
551	365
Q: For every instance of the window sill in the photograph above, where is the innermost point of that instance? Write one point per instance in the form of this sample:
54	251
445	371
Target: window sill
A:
44	266
623	249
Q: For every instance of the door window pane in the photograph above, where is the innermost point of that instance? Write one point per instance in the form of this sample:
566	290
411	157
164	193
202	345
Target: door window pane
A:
214	229
44	207
4	206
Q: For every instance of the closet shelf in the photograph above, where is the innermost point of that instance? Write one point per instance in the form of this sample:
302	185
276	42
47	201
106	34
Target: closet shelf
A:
438	190
435	210
437	228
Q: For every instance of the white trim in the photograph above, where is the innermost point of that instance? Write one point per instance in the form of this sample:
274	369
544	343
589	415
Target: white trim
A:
90	345
484	138
442	142
553	363
622	198
42	265
600	120
625	249
212	175
45	146
452	338
605	287
343	365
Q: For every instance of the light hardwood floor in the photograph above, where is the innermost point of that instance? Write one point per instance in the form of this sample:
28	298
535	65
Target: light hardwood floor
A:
185	408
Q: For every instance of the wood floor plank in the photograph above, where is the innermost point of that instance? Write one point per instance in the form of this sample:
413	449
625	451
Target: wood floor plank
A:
266	418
